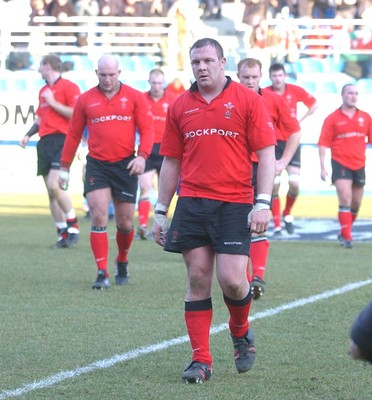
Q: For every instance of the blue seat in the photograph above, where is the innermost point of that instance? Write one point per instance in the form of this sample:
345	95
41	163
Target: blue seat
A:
310	64
329	65
326	87
310	86
140	84
364	85
20	84
82	83
80	62
143	63
127	63
3	85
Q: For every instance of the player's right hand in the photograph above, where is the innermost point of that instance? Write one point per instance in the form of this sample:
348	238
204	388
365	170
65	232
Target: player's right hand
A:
64	178
24	141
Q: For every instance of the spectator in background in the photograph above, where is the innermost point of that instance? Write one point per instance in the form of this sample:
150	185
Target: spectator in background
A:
111	8
213	9
159	100
345	132
323	9
346	9
62	9
38	9
184	12
88	8
159	8
136	8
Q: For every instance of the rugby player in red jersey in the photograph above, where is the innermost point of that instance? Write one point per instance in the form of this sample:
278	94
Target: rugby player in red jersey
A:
211	131
346	132
288	135
56	102
111	111
293	94
159	100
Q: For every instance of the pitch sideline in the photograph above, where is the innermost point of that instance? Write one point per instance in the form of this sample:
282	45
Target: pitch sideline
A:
109	362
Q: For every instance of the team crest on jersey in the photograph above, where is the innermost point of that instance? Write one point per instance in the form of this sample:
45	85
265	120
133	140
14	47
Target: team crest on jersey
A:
361	121
228	109
123	103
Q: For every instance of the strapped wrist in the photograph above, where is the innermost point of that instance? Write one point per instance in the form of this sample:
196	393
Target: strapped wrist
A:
160	208
263	196
261	206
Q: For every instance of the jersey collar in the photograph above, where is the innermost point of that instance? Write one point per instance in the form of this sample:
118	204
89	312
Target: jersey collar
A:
194	86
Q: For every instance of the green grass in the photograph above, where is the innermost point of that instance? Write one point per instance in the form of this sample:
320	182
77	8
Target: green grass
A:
52	321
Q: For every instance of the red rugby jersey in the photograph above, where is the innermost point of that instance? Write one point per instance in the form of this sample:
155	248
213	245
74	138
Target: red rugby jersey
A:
65	92
159	110
215	141
284	120
347	137
294	94
112	125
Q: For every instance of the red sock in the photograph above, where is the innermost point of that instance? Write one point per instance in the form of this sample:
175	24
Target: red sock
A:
239	311
124	241
198	318
143	211
259	253
275	210
99	245
290	200
345	220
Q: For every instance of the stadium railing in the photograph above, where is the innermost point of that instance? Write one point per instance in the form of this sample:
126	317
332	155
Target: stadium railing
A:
91	36
325	37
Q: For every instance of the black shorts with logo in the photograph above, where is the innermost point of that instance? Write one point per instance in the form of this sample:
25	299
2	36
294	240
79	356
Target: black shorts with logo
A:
340	172
199	222
155	160
279	150
114	175
49	150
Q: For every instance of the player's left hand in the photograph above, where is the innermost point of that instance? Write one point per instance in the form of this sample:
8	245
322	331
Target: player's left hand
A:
280	165
259	219
137	166
64	178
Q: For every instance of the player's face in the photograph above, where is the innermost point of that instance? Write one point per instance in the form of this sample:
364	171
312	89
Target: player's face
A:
156	85
108	78
350	96
250	76
207	68
44	69
278	79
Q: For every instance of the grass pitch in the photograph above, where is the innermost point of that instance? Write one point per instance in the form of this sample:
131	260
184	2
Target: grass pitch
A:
65	341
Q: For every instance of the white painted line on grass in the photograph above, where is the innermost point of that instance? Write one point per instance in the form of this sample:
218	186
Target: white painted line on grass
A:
109	362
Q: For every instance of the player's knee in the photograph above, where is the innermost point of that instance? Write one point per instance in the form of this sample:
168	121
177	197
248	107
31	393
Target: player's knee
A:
125	226
294	182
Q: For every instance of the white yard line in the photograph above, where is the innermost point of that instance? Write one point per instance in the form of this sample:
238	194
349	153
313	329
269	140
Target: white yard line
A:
109	362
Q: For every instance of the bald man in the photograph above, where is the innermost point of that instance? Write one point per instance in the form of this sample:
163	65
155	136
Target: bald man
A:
112	112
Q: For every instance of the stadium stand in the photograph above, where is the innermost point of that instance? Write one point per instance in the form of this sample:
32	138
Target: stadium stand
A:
364	85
